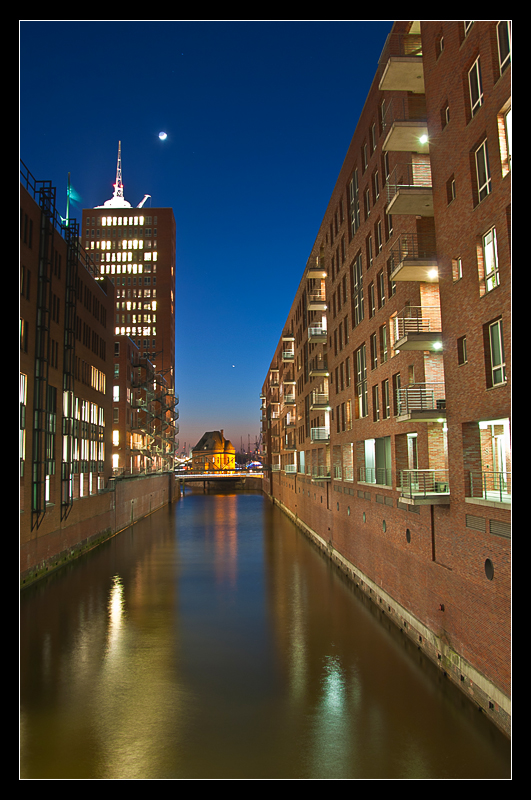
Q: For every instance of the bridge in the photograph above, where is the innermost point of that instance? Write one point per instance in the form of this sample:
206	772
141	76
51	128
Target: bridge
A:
242	477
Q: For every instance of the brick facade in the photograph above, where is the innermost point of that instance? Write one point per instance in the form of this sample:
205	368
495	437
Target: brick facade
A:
386	414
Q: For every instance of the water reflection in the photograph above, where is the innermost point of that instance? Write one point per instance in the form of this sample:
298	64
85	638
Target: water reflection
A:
213	641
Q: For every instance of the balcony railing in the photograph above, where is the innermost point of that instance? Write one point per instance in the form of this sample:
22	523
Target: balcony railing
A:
400	66
317	333
418	328
409	188
318	366
319	473
290	468
288	355
405	125
494	486
422	397
423	482
320	434
378	475
413	249
319	400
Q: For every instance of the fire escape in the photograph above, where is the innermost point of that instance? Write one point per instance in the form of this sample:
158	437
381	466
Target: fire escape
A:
155	428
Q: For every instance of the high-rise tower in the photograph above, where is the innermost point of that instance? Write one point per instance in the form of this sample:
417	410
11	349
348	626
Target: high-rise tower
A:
135	247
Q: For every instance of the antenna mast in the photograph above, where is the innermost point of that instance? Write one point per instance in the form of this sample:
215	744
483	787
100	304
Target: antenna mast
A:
118	186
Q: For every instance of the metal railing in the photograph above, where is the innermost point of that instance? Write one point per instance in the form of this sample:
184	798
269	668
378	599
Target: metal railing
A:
400	44
413	248
321	472
320	434
400	109
317	331
318	364
378	475
320	398
415	482
409	176
496	486
418	319
422	397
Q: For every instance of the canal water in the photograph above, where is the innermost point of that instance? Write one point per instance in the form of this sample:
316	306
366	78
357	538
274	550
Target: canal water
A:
212	640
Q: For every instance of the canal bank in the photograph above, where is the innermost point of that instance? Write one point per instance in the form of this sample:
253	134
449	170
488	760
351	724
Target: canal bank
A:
483	693
212	640
60	538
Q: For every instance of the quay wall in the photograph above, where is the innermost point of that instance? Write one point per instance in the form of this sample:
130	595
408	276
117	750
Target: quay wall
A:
91	521
387	553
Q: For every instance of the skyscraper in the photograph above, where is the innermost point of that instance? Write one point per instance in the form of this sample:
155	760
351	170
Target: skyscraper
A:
135	248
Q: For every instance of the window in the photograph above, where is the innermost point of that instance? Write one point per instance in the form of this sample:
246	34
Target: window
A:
490	260
354	204
483	171
361	382
461	350
357	291
476	88
457	268
496	376
504	43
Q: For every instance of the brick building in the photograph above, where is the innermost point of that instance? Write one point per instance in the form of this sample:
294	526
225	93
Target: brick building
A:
135	249
386	407
66	339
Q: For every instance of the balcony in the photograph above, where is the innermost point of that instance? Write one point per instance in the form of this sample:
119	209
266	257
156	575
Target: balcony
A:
418	328
318	368
400	65
423	487
288	355
380	476
317	333
492	487
413	258
314	269
320	401
290	468
319	473
409	189
289	400
405	125
317	300
422	402
320	434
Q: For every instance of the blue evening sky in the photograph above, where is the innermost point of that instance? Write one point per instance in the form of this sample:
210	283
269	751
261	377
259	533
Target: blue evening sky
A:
259	116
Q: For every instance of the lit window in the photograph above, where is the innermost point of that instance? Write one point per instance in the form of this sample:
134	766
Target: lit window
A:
497	355
490	260
116	389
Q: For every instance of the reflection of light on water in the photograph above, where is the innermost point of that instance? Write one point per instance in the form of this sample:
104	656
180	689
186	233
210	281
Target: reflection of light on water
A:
334	686
115	607
332	747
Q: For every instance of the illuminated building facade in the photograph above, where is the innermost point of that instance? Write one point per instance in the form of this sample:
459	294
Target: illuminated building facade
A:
213	453
386	406
135	249
66	339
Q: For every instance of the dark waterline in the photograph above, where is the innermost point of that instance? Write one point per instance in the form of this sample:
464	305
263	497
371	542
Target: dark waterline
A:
213	640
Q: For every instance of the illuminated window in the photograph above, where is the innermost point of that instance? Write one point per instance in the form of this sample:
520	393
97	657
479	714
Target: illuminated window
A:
490	260
116	389
116	438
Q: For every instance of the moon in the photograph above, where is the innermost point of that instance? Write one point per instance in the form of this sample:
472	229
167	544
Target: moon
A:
163	135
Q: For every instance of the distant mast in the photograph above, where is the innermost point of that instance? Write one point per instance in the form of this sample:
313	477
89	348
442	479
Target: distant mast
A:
117	200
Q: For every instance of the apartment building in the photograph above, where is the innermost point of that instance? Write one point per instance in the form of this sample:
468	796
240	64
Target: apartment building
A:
386	407
66	339
135	249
